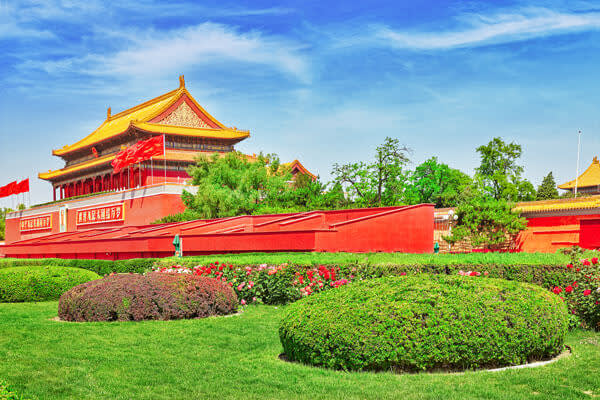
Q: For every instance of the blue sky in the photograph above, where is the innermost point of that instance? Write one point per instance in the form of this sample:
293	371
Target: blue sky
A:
322	81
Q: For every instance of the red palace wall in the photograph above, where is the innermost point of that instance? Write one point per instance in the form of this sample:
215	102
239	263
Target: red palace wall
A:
547	232
391	229
139	207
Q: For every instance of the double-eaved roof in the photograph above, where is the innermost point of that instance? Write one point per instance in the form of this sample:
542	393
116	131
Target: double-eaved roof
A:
175	113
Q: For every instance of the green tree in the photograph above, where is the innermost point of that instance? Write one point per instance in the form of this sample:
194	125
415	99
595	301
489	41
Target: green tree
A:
547	190
380	182
232	185
500	175
434	182
3	212
487	222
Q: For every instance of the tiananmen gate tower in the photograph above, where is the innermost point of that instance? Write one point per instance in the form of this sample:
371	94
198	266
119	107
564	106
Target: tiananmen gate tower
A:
188	130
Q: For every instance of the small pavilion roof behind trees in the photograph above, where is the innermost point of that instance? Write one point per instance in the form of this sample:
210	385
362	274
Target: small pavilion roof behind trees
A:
588	182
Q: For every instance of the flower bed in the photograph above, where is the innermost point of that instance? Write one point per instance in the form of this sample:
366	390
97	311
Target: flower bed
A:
125	297
275	284
425	322
36	283
582	292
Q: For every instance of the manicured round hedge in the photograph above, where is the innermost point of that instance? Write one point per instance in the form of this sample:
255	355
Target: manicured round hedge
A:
37	283
425	322
135	297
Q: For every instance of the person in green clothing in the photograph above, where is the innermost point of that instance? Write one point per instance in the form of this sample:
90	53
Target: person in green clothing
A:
177	244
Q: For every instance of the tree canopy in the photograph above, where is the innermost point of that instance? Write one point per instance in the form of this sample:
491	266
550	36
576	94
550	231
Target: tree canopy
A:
435	182
376	183
500	175
547	189
485	221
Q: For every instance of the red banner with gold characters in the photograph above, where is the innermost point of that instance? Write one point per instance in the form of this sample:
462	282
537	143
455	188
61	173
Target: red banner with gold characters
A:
100	215
36	223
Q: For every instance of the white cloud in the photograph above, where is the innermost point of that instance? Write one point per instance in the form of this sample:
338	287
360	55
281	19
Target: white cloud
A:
151	53
480	29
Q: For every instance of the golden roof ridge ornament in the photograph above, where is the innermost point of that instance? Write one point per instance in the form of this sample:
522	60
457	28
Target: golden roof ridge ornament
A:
181	82
108	113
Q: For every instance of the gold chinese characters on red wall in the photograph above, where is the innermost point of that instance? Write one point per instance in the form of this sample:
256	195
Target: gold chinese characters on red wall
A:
38	223
100	215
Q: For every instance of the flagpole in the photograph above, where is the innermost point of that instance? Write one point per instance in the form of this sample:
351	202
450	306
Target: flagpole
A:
152	170
165	155
577	170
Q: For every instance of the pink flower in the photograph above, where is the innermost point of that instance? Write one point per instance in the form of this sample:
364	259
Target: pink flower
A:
557	290
587	292
243	302
486	273
253	299
240	286
250	284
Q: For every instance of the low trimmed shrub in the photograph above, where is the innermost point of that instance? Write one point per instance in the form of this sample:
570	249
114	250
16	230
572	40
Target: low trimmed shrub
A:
425	322
101	267
37	283
134	297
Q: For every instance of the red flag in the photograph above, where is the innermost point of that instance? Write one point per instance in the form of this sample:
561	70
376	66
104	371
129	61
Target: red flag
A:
4	191
141	151
119	162
95	152
23	186
11	188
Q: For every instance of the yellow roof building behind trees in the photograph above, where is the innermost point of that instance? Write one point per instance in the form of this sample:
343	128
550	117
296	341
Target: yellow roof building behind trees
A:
588	182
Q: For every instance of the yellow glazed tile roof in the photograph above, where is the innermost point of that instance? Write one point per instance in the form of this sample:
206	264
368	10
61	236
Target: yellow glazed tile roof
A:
301	167
116	124
227	133
559	204
590	177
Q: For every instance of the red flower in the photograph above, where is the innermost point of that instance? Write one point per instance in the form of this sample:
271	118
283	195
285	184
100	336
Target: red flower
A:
557	290
595	260
586	262
575	284
587	292
569	289
570	266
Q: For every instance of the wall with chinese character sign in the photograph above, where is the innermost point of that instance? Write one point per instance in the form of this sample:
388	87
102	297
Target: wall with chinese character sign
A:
81	215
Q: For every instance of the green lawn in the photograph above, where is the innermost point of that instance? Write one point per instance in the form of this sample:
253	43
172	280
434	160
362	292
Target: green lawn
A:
236	357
